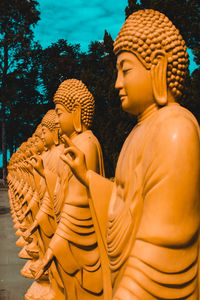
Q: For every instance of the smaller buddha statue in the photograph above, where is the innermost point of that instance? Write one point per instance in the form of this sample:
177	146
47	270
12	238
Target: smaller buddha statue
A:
74	246
44	221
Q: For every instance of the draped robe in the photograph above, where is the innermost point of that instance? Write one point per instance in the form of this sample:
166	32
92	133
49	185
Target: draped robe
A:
74	243
151	227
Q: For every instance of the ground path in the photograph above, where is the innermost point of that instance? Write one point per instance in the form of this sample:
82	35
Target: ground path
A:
12	285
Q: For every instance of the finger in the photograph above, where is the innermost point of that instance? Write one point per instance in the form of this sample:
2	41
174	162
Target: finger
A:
68	141
73	151
39	274
31	163
33	159
66	159
32	153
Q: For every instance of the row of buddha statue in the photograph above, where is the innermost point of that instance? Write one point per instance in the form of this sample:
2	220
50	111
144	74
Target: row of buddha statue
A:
85	237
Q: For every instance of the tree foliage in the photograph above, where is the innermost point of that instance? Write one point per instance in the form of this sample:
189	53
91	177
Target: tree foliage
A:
17	17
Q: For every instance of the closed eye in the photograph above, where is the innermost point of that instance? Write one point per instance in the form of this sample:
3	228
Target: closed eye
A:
125	71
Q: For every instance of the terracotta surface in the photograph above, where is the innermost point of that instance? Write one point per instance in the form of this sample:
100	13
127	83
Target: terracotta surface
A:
137	237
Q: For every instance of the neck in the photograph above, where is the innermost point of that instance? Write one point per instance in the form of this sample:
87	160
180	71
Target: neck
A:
153	108
53	146
147	112
75	133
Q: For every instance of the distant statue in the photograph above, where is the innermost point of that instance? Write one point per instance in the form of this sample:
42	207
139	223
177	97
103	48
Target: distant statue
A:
151	227
44	223
75	247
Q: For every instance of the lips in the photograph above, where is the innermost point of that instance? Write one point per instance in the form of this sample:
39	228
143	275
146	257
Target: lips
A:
122	97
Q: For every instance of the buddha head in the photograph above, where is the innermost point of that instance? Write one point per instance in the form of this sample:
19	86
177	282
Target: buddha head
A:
29	147
38	143
74	106
50	129
151	54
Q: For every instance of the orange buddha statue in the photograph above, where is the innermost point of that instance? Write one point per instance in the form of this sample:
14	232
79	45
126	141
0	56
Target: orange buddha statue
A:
74	246
44	223
150	227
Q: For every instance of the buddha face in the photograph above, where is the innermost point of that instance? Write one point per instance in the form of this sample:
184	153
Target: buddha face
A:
39	145
47	137
134	84
65	119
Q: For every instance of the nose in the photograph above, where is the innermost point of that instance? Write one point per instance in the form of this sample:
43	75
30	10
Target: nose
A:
57	121
60	133
119	81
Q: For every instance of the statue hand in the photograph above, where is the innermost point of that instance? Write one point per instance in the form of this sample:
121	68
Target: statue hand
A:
27	234
37	163
29	166
75	158
46	262
21	218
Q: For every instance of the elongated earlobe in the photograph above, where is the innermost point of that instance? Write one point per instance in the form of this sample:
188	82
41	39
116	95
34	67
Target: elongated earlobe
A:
56	137
77	118
159	77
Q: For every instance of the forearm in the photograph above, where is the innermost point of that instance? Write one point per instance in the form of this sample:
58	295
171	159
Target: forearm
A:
47	206
51	181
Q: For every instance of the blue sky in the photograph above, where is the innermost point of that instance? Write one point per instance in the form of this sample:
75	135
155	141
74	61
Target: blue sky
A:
79	21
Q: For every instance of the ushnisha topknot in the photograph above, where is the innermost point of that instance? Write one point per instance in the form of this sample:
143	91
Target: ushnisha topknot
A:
72	92
50	120
147	31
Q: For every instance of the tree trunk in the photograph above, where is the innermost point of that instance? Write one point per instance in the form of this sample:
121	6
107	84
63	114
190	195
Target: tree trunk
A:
3	112
11	149
4	147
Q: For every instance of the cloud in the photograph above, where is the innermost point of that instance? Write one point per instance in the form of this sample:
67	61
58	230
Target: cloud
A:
78	21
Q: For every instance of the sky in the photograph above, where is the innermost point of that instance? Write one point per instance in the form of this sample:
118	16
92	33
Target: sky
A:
81	21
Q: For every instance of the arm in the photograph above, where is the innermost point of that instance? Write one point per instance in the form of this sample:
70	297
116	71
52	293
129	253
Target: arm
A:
84	165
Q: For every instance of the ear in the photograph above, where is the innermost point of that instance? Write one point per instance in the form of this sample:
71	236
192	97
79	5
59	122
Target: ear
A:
159	77
76	113
56	136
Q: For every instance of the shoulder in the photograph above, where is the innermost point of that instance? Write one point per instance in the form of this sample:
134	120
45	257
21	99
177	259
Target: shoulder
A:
175	124
87	142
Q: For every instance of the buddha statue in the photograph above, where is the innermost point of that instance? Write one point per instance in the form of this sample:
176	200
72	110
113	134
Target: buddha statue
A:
151	225
74	246
30	204
44	222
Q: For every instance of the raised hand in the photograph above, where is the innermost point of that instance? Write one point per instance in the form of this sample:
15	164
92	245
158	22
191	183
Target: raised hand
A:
21	218
30	230
75	158
27	236
37	163
46	262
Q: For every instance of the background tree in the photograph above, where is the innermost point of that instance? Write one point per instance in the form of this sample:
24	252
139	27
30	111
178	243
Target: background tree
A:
58	62
17	17
25	109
